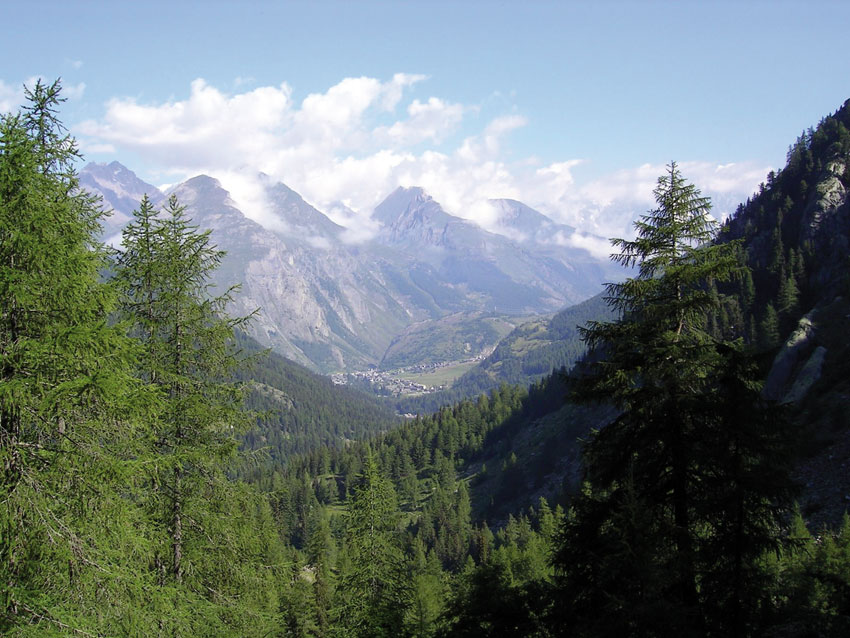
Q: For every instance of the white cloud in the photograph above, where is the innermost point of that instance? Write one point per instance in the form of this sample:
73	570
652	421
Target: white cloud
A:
608	206
87	146
11	97
209	130
353	145
249	196
394	90
597	246
74	91
498	128
432	120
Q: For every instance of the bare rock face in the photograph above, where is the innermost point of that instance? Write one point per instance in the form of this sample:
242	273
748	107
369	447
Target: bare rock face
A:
826	226
830	196
808	375
519	272
794	352
798	365
311	301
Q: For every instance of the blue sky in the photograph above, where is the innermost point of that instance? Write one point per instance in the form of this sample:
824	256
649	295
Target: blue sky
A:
572	107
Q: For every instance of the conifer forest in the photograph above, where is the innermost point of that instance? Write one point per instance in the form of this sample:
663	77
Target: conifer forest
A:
161	474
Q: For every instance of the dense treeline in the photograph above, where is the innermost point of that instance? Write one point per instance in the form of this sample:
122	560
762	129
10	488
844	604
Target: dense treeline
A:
795	238
298	410
684	523
122	411
118	417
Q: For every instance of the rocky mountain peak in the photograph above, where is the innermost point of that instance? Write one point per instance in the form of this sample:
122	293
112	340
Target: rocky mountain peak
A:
334	306
523	223
210	206
200	186
402	202
300	219
411	217
120	189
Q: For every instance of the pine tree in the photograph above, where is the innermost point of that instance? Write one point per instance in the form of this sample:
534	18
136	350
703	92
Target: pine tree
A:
768	333
428	593
66	395
372	596
204	562
659	367
749	443
787	300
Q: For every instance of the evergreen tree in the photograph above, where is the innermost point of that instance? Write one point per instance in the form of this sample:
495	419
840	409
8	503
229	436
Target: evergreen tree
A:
660	369
787	300
66	394
769	336
205	565
372	595
427	593
749	443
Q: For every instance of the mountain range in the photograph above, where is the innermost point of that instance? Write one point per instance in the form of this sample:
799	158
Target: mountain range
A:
335	305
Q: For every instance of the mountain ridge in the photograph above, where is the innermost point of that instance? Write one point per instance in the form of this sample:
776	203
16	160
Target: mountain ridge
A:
337	306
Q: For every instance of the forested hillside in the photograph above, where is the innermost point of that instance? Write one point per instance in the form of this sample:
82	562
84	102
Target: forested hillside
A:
648	492
793	300
649	544
794	233
530	352
299	410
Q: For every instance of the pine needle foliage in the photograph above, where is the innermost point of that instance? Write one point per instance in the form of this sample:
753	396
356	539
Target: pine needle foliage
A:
372	595
68	403
205	565
663	475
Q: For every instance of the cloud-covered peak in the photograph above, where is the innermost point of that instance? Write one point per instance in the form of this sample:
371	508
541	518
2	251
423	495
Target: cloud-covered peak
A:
401	202
364	137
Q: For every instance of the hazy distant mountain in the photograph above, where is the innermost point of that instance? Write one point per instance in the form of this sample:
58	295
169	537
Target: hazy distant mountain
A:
325	307
299	219
121	191
524	224
503	274
338	306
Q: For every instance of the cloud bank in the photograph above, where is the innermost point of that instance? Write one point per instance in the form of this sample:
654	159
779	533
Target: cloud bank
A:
348	147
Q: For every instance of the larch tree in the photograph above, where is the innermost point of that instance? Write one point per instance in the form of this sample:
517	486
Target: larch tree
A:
66	390
372	596
208	534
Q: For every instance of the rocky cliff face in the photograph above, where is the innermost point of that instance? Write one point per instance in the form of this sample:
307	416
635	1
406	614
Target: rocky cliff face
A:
825	225
327	308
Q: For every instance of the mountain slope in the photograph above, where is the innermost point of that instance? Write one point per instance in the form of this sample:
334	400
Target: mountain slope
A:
321	306
299	219
301	410
121	191
455	337
337	306
795	235
505	275
797	227
528	353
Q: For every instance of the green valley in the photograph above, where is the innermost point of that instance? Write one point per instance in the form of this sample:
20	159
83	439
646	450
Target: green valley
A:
665	458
